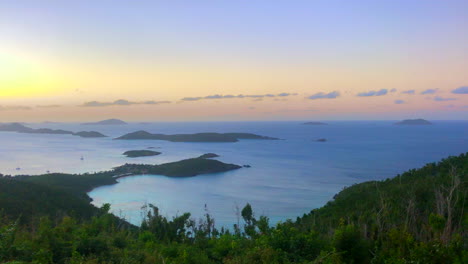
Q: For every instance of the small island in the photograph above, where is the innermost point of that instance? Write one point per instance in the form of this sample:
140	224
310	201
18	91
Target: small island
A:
20	128
107	122
321	140
184	168
89	134
198	137
315	123
208	156
140	153
414	122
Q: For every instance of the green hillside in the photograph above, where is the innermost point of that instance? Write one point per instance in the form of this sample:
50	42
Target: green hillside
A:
406	201
417	217
27	202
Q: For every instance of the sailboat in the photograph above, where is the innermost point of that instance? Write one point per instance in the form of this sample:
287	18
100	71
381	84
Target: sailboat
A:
81	158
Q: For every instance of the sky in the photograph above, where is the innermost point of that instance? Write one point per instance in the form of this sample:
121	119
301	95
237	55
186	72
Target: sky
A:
233	60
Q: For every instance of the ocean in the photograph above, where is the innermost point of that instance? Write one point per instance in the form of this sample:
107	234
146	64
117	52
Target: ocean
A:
287	177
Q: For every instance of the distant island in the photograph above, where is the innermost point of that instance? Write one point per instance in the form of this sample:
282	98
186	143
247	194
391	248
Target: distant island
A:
314	123
198	137
140	153
19	128
417	122
107	122
321	140
208	156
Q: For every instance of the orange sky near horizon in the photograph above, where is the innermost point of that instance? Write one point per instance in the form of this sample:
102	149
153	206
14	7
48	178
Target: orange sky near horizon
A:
55	59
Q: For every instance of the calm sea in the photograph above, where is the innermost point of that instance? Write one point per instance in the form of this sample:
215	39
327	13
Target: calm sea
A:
288	177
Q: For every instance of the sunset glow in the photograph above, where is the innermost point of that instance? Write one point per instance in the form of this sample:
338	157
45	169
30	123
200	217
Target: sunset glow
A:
69	54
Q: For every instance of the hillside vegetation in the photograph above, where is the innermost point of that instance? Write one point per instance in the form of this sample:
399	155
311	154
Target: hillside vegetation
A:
27	202
140	153
419	216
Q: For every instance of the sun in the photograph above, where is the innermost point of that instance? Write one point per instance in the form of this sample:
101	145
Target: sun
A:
20	78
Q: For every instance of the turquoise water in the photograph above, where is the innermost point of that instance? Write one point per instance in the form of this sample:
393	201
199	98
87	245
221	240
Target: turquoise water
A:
288	177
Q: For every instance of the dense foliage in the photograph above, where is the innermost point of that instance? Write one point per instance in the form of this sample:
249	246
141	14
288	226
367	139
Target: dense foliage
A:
75	184
140	153
417	217
182	168
27	202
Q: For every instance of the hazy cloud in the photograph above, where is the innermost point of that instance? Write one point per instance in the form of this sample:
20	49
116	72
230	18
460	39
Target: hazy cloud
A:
121	102
285	94
48	106
14	107
155	102
393	90
95	104
373	93
440	99
408	92
399	101
239	96
216	96
429	91
321	95
461	90
191	98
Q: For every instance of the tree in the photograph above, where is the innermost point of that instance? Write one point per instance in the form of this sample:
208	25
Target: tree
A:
250	221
